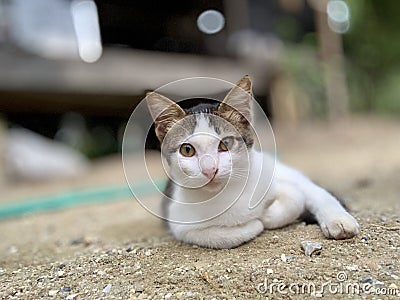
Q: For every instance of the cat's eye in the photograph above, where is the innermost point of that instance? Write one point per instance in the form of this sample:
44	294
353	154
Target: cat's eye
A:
226	143
187	150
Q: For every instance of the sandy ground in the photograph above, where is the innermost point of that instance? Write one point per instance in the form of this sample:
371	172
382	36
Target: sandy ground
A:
119	251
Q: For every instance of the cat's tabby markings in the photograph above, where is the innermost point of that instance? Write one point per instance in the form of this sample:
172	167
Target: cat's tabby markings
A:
210	153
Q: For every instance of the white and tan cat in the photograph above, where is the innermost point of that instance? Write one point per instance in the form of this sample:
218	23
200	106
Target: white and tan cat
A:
215	171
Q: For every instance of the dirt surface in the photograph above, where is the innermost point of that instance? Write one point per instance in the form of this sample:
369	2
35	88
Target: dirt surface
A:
119	251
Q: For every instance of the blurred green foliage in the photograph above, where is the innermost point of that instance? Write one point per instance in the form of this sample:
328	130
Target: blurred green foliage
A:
372	60
372	49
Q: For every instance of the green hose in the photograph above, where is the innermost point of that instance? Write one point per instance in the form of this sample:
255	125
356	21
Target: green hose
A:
73	198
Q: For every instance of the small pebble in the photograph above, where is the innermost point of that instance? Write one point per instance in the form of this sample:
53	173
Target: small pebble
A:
377	282
364	239
367	279
60	273
189	294
383	219
168	296
13	250
107	289
137	266
283	257
266	261
290	257
270	271
65	289
40	279
77	241
72	296
310	247
370	279
395	277
352	268
393	286
318	295
148	253
138	287
53	293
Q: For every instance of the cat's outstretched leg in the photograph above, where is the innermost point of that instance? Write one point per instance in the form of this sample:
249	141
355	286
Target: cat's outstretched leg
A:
334	220
286	209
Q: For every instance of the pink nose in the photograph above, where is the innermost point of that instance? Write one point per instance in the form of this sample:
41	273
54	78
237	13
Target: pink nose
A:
210	173
208	166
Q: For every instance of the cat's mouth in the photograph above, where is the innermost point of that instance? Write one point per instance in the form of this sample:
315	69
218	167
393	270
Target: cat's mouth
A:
213	185
214	182
213	176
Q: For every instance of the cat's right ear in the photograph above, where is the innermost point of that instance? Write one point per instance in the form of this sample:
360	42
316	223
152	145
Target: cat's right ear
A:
164	112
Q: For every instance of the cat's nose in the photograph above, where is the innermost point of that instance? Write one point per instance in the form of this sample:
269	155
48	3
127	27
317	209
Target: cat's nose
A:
210	173
208	166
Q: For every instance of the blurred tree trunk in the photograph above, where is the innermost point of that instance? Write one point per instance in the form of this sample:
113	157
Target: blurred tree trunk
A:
331	55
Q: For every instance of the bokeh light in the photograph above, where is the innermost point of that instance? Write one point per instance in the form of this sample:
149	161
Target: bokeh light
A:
87	29
338	16
211	21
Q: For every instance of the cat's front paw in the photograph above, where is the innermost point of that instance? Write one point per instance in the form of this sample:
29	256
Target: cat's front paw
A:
341	226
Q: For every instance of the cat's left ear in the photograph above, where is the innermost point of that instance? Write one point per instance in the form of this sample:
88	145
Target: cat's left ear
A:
239	98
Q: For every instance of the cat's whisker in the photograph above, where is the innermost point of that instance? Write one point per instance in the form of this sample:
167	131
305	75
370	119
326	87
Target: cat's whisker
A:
242	175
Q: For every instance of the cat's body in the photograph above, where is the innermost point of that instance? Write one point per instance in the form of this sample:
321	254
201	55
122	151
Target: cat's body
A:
219	197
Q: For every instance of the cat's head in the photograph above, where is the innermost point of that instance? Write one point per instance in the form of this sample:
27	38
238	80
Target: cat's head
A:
205	144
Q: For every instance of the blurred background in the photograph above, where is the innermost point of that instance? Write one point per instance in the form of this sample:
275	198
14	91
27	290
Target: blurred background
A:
71	73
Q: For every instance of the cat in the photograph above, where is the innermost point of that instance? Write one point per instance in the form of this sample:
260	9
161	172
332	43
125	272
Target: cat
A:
209	150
